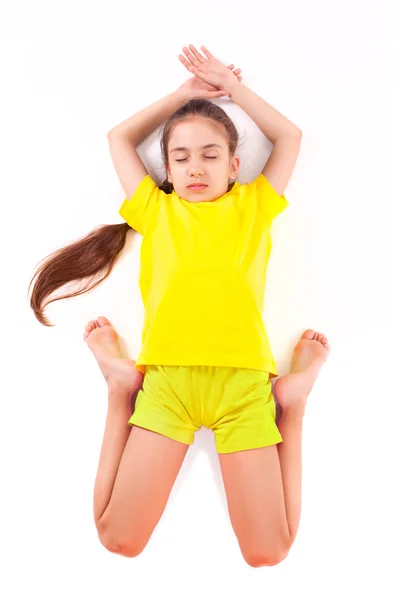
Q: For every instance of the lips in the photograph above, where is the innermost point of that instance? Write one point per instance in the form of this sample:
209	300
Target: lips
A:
197	186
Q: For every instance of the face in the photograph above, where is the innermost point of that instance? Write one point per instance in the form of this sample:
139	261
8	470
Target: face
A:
212	166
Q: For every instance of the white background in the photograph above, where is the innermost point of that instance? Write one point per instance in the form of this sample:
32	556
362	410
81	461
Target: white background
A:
72	71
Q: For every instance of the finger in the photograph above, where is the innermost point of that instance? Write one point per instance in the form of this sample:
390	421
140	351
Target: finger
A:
189	56
197	54
206	52
185	62
218	94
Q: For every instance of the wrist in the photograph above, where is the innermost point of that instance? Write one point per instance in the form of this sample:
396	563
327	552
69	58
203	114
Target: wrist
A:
231	88
179	96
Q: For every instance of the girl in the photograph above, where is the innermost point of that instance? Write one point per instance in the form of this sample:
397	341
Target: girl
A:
205	357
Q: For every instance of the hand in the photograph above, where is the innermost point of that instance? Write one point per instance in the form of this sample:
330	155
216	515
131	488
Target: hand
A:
209	69
197	88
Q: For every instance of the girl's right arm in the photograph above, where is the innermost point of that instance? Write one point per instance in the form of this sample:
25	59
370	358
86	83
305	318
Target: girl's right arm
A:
124	138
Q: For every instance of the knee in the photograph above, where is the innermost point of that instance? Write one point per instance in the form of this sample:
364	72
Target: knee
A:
258	560
118	547
127	551
121	549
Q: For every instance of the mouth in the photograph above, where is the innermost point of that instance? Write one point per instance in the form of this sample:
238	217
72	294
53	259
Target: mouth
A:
197	187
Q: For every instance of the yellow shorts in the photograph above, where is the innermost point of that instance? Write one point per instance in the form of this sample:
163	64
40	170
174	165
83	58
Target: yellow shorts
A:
236	403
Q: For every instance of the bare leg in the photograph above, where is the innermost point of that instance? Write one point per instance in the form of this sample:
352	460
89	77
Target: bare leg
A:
291	392
116	434
123	381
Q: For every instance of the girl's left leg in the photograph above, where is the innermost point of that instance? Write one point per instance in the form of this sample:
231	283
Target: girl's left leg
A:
263	485
263	491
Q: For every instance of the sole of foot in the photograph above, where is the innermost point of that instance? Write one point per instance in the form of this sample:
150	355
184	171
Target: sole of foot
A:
102	339
310	353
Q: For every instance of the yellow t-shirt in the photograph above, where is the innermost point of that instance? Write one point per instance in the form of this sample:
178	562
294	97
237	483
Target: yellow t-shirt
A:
202	275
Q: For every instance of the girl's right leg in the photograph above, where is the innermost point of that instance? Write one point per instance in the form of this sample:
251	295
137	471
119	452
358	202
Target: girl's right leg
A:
137	467
136	473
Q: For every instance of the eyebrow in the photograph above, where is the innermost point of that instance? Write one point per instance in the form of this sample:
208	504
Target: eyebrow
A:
206	146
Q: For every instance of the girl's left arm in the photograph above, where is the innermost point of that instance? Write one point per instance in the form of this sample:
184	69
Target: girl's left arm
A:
284	135
271	122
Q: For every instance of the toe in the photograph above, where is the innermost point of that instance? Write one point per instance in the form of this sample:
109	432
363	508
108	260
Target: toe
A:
102	321
90	326
309	334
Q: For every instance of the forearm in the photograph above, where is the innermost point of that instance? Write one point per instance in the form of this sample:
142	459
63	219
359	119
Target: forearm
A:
271	122
143	123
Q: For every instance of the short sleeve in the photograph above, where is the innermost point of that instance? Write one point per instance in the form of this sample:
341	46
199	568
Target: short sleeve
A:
137	209
270	202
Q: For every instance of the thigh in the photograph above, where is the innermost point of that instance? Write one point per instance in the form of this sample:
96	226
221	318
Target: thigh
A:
163	405
256	504
147	472
244	411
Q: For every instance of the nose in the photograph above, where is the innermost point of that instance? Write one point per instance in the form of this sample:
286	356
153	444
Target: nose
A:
196	170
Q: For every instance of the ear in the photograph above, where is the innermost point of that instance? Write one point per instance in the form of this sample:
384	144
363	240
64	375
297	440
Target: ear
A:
235	165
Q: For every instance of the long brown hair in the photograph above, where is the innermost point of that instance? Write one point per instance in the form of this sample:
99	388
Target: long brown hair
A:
89	260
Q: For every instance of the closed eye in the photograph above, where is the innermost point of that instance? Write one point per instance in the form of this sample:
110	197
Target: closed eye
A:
183	159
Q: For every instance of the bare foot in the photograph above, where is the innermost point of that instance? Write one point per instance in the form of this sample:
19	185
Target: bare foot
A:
102	340
309	355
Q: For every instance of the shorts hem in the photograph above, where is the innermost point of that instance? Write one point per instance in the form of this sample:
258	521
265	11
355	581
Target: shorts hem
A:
162	430
268	367
226	449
